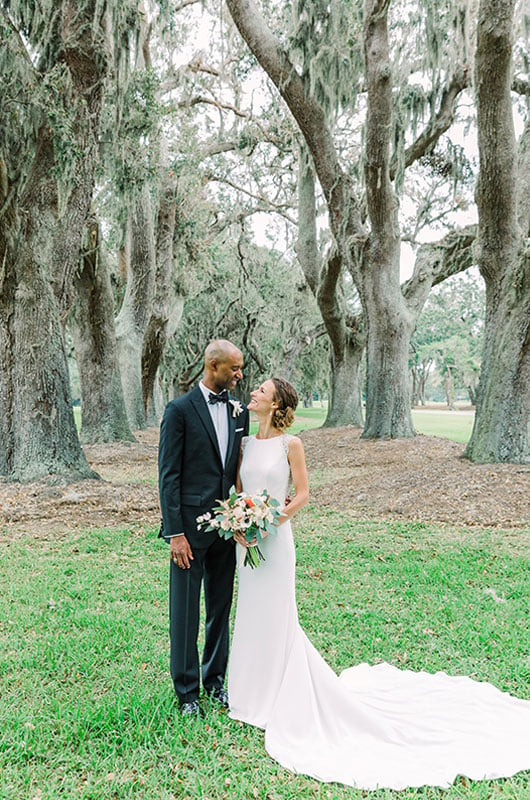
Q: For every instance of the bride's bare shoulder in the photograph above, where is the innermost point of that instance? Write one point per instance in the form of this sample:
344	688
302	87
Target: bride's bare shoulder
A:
294	443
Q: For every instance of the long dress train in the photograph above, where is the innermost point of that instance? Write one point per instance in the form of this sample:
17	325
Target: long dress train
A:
372	726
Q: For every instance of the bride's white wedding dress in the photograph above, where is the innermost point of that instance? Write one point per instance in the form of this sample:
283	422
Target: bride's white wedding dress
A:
372	727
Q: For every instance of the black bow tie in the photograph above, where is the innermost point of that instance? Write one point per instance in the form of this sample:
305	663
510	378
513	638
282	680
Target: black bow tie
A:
222	397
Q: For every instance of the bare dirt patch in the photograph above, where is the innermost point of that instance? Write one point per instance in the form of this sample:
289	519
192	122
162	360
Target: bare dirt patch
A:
423	479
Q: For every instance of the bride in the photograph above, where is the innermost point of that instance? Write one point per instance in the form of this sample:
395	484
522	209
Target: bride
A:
372	726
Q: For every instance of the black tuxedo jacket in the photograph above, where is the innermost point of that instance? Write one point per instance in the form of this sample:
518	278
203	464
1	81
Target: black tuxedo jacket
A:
190	469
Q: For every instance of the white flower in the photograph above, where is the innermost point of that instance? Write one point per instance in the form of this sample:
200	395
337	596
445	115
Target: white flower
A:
237	408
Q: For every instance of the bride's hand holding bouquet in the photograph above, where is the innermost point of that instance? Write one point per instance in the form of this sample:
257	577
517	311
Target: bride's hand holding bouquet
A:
246	518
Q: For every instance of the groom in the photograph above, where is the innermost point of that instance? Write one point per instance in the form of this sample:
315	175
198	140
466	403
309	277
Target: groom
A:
200	438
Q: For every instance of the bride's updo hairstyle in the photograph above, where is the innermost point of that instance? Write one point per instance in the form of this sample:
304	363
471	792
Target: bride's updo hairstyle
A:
287	398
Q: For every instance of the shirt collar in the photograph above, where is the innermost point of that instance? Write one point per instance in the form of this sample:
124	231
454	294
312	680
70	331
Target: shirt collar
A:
205	391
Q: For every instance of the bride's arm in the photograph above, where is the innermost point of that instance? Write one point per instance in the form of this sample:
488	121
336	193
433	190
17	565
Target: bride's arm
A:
296	458
239	536
239	486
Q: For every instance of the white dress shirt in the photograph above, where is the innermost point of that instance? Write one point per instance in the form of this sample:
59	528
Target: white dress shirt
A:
219	415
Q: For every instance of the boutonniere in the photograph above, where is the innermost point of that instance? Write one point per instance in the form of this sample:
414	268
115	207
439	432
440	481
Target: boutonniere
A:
237	408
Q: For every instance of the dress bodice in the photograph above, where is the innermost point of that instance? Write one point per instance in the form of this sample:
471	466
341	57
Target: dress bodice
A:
265	466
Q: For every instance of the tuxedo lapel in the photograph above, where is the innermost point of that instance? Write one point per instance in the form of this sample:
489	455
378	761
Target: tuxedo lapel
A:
232	422
199	404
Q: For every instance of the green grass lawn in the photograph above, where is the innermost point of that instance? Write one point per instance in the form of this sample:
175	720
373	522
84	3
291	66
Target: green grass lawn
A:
305	418
443	423
446	424
86	705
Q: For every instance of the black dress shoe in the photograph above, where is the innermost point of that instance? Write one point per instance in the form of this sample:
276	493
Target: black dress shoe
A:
220	696
191	709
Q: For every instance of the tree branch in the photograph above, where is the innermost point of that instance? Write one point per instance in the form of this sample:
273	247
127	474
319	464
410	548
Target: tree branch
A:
214	148
248	342
194	101
307	112
521	86
437	261
179	6
190	373
220	225
438	124
328	302
267	205
19	46
174	77
294	348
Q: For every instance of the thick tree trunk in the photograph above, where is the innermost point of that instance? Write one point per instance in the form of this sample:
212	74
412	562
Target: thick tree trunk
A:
502	420
502	417
345	403
45	435
390	322
40	433
167	308
44	215
346	341
103	417
135	312
388	395
7	307
390	326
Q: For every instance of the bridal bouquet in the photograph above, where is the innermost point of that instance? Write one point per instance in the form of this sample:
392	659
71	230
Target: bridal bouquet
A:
253	515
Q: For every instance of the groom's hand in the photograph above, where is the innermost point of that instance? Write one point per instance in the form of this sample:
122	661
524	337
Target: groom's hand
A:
180	551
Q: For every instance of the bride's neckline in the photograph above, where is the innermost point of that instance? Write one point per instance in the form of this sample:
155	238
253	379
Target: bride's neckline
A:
268	438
